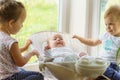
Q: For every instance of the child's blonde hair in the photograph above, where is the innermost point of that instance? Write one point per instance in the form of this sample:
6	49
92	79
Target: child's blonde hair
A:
113	12
10	9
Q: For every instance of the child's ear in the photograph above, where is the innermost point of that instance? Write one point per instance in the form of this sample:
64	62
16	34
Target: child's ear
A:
11	23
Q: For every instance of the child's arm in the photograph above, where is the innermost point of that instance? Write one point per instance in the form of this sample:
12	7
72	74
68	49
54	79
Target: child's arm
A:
18	58
89	42
26	46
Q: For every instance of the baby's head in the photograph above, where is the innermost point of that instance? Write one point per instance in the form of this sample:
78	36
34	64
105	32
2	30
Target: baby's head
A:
56	41
112	20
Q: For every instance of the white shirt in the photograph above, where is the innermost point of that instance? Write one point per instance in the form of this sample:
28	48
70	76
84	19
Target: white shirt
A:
110	45
7	65
60	53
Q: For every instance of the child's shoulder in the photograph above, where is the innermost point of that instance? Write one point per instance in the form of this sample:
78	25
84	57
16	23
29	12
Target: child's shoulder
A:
6	39
104	35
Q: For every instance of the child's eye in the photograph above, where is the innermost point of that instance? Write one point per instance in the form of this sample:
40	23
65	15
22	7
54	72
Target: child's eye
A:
110	23
61	39
54	39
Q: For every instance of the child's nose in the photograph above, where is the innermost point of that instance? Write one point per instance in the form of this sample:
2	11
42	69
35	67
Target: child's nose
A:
108	27
58	39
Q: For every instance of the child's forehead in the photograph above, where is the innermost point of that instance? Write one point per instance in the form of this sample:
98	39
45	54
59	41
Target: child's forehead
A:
57	35
111	18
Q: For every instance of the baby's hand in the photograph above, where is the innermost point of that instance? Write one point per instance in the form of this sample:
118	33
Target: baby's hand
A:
82	54
46	48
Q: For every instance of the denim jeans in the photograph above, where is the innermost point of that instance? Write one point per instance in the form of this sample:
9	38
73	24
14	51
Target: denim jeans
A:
26	75
113	71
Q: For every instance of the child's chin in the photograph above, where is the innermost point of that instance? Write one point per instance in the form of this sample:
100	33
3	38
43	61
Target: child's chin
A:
59	45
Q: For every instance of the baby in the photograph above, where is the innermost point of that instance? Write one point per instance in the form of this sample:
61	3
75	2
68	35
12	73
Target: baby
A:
57	51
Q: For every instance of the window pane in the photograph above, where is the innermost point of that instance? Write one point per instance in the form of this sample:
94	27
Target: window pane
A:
42	15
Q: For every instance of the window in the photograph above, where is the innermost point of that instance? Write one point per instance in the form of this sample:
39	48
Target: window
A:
42	15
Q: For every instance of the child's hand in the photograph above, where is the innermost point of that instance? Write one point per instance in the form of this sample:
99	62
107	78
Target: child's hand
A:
74	36
28	42
35	52
26	46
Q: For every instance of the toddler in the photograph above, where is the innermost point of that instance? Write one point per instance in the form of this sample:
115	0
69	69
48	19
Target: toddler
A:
12	16
110	41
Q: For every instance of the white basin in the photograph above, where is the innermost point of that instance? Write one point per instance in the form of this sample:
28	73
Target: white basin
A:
84	67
